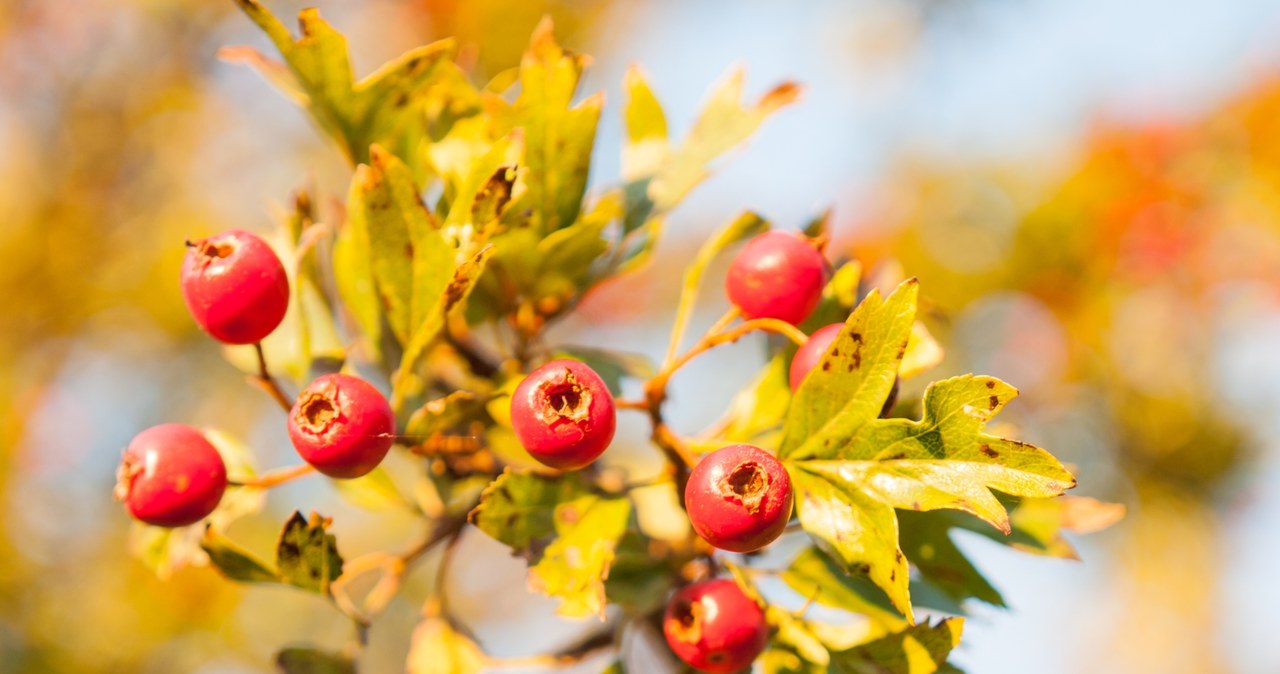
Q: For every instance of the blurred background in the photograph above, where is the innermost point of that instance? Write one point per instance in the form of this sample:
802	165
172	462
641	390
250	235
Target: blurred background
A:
1088	190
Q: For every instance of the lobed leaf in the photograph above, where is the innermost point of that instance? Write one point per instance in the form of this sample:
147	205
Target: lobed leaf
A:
850	383
576	564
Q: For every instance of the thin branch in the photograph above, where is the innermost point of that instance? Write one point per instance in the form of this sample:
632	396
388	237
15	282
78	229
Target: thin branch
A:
268	382
275	477
590	645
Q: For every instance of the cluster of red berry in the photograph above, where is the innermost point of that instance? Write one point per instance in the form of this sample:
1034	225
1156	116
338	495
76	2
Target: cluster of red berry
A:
738	498
238	292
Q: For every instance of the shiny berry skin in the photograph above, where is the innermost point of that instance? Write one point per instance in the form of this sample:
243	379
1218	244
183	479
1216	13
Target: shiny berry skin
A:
714	627
171	476
777	275
342	425
738	498
235	287
563	414
808	355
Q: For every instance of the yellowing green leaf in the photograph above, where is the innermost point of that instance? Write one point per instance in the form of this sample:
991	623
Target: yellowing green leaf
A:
320	77
920	649
302	660
849	385
235	562
813	574
576	564
757	411
858	530
437	648
519	508
645	147
923	352
724	123
558	135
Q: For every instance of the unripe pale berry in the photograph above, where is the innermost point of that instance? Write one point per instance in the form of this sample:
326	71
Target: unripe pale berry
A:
777	275
807	356
171	476
342	425
235	287
563	414
738	498
714	627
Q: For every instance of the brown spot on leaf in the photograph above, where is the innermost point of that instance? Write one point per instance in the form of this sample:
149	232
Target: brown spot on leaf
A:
826	366
991	384
986	449
898	456
993	402
864	569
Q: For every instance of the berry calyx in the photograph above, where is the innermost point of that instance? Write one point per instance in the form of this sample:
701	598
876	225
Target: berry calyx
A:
170	476
235	287
807	356
714	627
563	414
738	498
342	425
777	275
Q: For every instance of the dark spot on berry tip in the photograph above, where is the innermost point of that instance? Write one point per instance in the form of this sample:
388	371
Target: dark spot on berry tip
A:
994	401
986	449
991	384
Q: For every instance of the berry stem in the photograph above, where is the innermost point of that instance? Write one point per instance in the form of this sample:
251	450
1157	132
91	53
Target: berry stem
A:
275	477
268	383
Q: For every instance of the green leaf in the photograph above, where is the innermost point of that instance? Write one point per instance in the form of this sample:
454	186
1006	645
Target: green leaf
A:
443	414
945	460
576	564
303	660
850	383
558	135
568	534
920	649
638	579
519	508
927	543
235	562
307	556
411	262
813	574
746	225
437	648
408	382
856	529
317	74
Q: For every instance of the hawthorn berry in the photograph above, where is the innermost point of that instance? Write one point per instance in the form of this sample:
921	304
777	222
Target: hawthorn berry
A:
563	414
235	287
342	425
777	275
738	498
807	356
171	476
714	627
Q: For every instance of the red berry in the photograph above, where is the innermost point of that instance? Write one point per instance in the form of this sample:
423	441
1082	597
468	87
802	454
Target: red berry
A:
342	425
738	498
563	414
808	355
777	275
714	627
171	476
235	287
